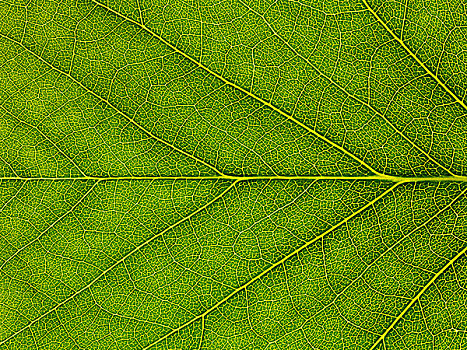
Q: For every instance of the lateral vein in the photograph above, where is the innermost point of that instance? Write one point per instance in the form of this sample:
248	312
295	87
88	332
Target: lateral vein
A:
414	56
417	297
122	259
239	88
100	98
355	98
273	266
394	245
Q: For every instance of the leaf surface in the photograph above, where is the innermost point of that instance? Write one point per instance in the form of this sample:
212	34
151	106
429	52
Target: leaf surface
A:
233	174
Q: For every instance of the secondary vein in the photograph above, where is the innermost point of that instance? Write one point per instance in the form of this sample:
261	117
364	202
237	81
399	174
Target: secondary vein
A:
414	56
273	266
355	98
122	259
239	88
127	117
391	248
417	297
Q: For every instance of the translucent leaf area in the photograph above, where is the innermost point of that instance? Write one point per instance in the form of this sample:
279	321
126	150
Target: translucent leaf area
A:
233	174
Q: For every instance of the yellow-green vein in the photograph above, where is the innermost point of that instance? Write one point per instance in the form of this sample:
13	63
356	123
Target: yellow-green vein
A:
239	88
391	248
389	178
417	297
355	98
122	259
273	266
127	117
414	56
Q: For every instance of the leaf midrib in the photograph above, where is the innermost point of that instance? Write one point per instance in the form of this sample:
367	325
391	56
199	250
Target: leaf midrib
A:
389	178
236	179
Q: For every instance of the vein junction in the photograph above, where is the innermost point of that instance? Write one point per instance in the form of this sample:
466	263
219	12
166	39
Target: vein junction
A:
389	178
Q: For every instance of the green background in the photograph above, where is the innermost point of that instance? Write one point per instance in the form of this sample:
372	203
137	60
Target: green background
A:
233	174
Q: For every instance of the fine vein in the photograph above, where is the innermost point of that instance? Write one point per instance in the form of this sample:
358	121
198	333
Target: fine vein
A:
118	262
414	56
80	200
239	88
48	139
273	266
127	117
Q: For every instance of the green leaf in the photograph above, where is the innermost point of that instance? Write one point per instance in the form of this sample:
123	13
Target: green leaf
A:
236	174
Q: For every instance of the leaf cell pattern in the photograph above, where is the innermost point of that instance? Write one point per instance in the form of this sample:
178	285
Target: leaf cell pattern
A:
233	174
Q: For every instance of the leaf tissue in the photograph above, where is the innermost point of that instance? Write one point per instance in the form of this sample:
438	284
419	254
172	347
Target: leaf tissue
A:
233	174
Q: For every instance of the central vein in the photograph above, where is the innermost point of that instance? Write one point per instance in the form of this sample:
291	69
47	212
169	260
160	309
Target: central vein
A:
389	178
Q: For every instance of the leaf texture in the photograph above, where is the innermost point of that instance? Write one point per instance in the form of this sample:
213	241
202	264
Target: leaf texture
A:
233	174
